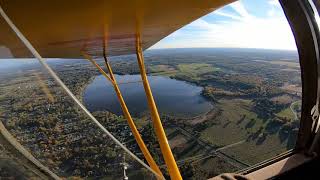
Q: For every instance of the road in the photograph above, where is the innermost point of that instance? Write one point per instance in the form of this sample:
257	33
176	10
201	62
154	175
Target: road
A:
213	151
293	111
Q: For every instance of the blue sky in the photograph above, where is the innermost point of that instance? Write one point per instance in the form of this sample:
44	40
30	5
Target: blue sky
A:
242	24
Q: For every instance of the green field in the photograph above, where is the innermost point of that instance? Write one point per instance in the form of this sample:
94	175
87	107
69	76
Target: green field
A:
286	113
162	70
237	123
230	124
192	71
196	69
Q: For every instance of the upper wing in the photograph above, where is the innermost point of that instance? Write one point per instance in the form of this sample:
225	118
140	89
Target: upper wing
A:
64	28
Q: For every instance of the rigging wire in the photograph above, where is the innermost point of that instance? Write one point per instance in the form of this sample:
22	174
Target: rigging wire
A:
67	90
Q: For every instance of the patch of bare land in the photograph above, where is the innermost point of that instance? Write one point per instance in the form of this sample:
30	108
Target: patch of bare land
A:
284	99
290	70
209	115
286	63
282	62
292	88
178	141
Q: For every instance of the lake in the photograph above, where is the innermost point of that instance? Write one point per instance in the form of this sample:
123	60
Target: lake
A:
172	96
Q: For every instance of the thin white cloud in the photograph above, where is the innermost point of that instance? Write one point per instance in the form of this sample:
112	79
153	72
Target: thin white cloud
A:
244	31
274	3
241	10
220	13
274	7
201	24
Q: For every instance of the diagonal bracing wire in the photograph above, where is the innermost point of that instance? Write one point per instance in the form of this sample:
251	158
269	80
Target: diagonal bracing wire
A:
67	90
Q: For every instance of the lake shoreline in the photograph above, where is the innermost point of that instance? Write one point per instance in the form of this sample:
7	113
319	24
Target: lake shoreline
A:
175	97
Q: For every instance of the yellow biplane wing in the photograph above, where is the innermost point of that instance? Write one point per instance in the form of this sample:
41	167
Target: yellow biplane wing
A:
64	28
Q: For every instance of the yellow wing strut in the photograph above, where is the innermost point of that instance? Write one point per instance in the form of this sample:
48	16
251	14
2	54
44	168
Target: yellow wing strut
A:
126	113
164	145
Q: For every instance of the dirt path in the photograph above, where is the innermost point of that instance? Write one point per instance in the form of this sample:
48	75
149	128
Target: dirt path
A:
204	117
293	111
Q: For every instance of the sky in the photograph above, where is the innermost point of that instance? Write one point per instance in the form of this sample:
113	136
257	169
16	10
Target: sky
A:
243	24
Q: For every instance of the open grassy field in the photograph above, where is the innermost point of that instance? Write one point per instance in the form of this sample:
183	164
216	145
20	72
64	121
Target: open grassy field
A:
286	113
238	123
162	70
252	152
196	69
234	124
193	71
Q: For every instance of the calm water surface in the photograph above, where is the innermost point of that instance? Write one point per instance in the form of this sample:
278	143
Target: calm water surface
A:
172	96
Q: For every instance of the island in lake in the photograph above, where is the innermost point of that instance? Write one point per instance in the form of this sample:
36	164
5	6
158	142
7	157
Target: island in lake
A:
223	110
